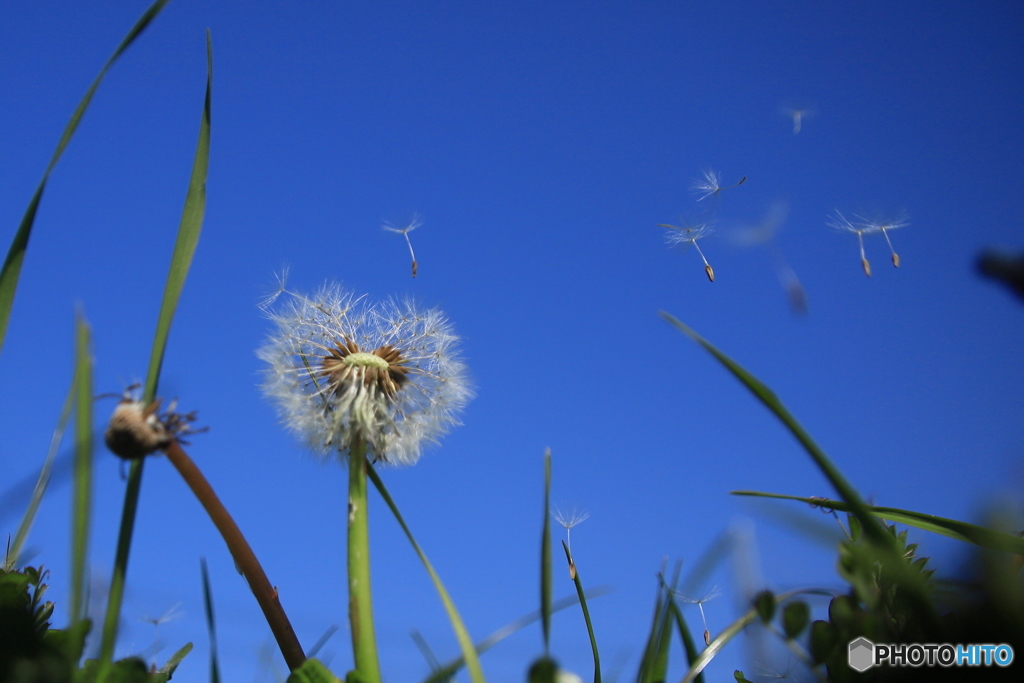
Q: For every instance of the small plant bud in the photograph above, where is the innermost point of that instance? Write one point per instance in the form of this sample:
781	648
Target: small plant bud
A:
135	431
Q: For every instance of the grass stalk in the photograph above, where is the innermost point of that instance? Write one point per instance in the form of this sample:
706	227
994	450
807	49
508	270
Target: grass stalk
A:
360	598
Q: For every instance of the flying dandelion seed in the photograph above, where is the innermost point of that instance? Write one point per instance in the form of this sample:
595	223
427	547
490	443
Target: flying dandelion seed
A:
841	223
797	115
707	596
686	235
711	184
413	224
884	227
343	371
570	519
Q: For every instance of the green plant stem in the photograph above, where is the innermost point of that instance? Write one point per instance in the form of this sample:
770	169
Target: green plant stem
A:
124	542
245	559
360	599
586	612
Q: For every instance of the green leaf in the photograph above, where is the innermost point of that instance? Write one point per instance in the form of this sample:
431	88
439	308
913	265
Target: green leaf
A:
764	603
11	270
822	641
165	672
962	531
313	671
795	616
740	678
476	673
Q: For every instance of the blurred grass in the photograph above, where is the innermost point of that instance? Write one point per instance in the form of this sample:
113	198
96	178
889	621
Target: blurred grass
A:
81	507
11	270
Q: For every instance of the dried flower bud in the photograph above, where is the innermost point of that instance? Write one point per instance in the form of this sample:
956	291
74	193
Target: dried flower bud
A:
135	431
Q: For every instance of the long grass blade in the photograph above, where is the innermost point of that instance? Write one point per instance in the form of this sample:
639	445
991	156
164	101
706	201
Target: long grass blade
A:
181	259
846	491
188	236
962	531
82	504
11	270
211	622
476	673
586	612
41	483
545	555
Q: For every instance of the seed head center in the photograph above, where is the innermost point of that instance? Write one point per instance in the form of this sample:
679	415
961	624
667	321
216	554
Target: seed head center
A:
365	360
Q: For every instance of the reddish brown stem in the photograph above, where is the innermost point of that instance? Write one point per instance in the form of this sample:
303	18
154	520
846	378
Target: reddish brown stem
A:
245	559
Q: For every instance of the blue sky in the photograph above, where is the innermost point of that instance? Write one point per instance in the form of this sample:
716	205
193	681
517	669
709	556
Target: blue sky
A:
542	146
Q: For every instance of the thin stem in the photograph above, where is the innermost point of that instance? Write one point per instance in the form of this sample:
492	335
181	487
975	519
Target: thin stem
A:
360	600
117	581
412	253
707	266
245	559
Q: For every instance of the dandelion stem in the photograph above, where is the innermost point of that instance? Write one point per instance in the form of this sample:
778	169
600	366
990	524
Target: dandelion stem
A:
360	601
241	551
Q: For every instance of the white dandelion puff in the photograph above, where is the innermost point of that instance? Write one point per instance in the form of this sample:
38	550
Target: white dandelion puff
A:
568	520
344	372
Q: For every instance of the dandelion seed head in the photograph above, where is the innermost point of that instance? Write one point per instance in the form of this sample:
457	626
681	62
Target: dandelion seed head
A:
685	235
342	371
570	518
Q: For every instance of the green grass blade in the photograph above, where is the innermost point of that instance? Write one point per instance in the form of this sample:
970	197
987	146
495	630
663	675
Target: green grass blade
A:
962	531
11	270
211	622
545	555
41	483
188	236
586	612
689	647
82	503
181	259
476	673
843	487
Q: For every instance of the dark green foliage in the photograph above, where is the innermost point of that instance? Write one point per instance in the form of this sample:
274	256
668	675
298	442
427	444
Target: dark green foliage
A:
795	616
765	604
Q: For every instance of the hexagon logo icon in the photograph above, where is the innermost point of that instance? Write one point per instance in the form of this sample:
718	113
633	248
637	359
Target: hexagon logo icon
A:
861	656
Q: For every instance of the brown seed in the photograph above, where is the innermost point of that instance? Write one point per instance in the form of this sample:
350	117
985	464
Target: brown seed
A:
711	273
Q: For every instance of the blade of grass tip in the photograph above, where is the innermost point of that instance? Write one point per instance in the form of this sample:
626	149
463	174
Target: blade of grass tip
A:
82	505
654	663
586	612
188	236
421	643
181	259
961	531
41	483
11	269
843	487
545	555
476	673
449	670
211	626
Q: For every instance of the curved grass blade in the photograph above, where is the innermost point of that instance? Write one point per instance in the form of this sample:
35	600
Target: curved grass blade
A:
11	269
846	491
962	531
447	671
41	483
586	612
181	259
545	555
82	503
684	634
874	530
211	625
476	673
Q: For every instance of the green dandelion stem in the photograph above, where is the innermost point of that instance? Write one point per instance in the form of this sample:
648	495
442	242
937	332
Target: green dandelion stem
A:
360	600
245	559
